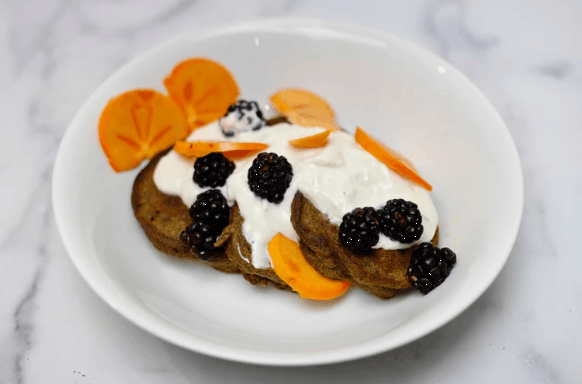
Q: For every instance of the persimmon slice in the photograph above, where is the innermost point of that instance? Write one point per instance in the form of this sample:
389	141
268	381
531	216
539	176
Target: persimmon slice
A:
203	88
138	124
389	157
313	141
290	265
304	108
230	149
291	99
312	117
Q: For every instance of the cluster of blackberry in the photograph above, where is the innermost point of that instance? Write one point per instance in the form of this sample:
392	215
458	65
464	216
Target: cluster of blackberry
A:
210	215
400	220
269	177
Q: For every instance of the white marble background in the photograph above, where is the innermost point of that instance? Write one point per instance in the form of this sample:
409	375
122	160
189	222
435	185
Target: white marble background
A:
525	55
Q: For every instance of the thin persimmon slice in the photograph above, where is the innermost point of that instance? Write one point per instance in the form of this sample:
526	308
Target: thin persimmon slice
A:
389	157
312	117
290	99
290	265
203	88
231	150
304	108
138	124
313	141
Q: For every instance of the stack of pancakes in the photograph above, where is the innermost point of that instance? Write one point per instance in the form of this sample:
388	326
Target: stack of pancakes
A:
163	217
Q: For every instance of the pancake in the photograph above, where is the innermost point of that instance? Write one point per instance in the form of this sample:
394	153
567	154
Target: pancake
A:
377	272
163	217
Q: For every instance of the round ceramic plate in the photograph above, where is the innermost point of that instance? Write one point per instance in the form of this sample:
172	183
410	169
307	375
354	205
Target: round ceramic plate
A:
412	100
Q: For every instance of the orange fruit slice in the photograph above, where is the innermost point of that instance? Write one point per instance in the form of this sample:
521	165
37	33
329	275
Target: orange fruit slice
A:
312	117
290	265
229	149
138	124
389	157
292	99
313	141
304	108
203	88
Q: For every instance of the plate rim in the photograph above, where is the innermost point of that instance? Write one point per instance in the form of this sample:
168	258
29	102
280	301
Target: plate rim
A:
268	358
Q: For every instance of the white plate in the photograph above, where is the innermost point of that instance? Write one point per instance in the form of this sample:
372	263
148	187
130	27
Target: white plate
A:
406	96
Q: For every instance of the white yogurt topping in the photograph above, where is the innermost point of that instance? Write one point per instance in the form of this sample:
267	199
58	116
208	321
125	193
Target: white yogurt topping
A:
336	178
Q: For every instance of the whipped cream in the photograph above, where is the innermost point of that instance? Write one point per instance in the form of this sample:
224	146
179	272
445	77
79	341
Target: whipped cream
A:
336	178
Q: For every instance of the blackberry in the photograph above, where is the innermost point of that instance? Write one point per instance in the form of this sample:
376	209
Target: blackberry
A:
212	170
360	230
430	266
210	214
200	239
270	176
211	208
401	221
242	116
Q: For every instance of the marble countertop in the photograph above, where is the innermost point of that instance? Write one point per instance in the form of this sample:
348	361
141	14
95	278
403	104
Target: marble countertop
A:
525	55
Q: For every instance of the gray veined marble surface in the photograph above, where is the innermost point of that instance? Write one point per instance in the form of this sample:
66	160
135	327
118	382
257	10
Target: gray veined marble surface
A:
525	55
